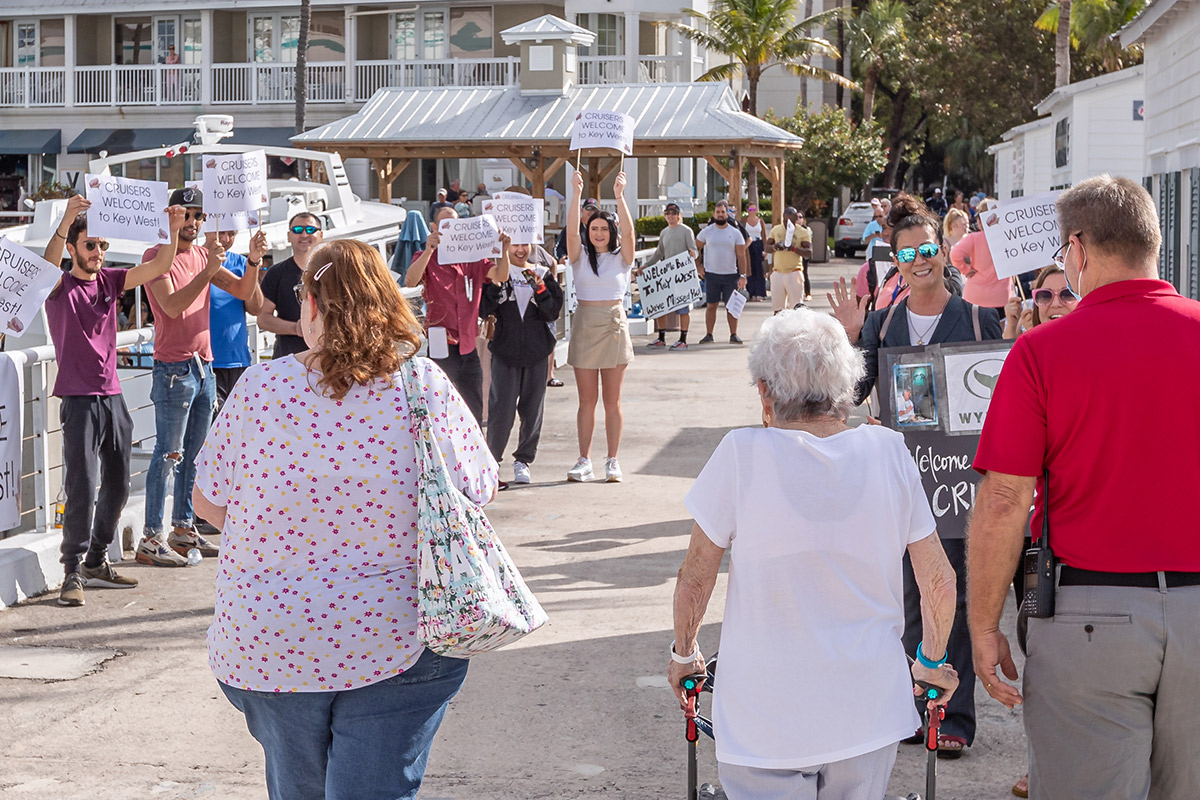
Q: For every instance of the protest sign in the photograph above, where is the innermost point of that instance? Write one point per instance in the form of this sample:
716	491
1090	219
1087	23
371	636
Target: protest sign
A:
233	221
125	208
520	216
1022	234
235	182
611	130
470	239
735	304
919	395
10	442
670	284
26	279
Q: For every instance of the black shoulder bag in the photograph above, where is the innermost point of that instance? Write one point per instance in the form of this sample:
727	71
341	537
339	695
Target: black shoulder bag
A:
1037	599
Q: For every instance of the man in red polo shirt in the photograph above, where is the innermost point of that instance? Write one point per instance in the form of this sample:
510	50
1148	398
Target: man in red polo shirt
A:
1106	402
452	293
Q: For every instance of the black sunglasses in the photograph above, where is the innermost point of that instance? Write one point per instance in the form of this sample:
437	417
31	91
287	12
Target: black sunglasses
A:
310	229
91	246
300	293
199	216
1044	297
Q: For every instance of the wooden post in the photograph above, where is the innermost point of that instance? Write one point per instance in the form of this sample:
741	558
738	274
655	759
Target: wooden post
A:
778	190
388	171
593	178
738	164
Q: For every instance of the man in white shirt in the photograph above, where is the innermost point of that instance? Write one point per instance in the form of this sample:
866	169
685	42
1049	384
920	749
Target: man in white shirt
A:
723	267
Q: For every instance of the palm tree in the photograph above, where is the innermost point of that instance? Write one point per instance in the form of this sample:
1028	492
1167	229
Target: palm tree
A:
756	35
1093	23
302	64
876	34
1062	46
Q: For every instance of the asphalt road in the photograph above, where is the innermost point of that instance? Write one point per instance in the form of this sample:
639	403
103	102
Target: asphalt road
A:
578	709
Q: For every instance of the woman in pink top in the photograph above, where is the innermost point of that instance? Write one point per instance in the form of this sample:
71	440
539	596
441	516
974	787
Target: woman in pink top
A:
973	259
310	471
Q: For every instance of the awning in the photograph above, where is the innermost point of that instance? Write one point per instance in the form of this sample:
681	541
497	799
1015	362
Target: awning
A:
126	140
264	137
30	141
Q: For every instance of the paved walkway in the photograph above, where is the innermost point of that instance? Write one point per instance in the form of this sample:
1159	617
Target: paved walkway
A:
579	708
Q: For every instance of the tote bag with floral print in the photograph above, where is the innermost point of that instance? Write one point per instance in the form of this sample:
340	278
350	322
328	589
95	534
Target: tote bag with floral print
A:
470	596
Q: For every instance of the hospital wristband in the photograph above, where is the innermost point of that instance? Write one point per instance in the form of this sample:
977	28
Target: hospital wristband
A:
927	663
678	659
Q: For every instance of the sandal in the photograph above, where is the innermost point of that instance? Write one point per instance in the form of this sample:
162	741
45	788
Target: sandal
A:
916	738
951	746
1021	787
555	382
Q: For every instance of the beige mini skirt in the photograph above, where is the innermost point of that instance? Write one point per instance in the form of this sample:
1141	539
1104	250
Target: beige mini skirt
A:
599	337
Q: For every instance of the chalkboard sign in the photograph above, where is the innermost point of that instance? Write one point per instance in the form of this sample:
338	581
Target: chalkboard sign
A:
938	397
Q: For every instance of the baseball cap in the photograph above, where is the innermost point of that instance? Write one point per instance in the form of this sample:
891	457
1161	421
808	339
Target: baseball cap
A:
591	205
187	197
671	207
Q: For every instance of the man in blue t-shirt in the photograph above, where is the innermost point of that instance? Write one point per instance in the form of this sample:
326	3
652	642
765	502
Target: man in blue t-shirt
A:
227	315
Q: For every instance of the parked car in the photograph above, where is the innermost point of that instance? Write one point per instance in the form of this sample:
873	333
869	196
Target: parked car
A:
847	234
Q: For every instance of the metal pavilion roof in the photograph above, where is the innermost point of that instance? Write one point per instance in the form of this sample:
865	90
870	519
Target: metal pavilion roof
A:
665	115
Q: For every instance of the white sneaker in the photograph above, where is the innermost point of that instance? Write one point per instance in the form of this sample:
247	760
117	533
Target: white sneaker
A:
612	470
520	472
582	471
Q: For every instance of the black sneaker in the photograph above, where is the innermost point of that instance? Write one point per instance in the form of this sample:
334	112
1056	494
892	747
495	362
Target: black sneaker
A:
71	593
735	339
708	339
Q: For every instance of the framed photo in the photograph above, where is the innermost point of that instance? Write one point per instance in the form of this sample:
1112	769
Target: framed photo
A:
914	396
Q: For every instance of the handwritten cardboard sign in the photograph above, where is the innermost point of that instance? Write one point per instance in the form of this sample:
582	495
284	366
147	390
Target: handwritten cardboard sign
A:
234	182
520	216
610	130
1022	234
670	284
125	208
26	279
470	239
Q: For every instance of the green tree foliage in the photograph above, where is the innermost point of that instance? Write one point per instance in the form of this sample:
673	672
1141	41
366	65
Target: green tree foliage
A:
877	38
1093	23
836	153
756	35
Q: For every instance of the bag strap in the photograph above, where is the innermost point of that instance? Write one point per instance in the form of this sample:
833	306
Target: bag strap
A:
975	323
1045	541
887	321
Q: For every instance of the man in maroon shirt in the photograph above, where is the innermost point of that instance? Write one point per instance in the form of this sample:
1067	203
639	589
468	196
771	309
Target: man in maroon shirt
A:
81	313
1105	406
452	293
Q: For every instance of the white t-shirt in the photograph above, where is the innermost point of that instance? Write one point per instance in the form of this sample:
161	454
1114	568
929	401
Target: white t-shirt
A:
317	583
720	248
609	282
812	668
921	327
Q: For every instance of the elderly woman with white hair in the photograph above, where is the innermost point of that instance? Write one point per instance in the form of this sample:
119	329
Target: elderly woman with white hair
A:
815	690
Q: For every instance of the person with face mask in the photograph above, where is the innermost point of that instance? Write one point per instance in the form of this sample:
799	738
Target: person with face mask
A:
724	267
97	431
930	314
524	306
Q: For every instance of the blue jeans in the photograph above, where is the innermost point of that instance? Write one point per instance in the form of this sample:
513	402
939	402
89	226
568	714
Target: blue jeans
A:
370	743
183	394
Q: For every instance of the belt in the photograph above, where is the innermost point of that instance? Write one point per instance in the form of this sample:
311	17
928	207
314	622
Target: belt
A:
1073	576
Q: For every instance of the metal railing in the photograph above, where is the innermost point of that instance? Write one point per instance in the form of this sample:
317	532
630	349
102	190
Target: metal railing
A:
32	87
137	85
601	69
370	76
276	83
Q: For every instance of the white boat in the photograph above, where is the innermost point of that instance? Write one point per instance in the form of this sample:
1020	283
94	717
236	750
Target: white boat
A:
345	215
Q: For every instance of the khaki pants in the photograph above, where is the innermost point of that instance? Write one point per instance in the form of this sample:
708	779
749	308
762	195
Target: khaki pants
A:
787	289
1112	684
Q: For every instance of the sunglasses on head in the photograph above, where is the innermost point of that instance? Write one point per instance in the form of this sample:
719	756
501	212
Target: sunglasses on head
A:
907	255
1044	297
90	245
199	216
310	229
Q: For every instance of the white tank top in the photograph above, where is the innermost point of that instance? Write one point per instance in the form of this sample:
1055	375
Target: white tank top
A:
611	283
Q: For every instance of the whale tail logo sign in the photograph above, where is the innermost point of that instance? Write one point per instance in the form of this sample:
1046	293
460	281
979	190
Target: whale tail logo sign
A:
980	378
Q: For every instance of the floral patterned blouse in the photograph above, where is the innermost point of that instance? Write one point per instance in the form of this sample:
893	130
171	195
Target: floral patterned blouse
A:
316	585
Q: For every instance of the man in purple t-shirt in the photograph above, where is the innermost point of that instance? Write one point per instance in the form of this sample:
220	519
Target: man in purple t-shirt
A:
97	430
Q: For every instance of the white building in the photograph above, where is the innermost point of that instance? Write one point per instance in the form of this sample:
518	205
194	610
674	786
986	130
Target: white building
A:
81	76
1085	128
1169	31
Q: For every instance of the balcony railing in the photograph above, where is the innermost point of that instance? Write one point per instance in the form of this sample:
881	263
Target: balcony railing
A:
265	83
